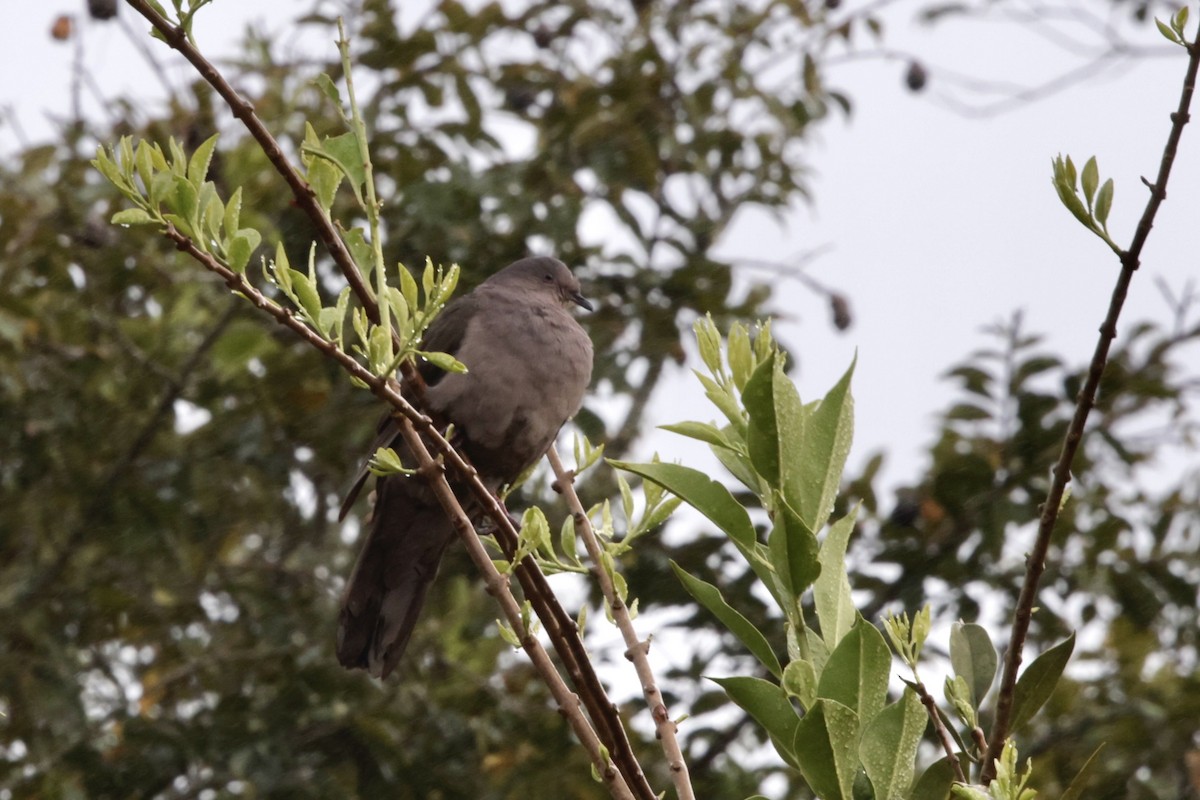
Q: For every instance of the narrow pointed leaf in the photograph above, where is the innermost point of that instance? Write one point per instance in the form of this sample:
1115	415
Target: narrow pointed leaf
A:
197	169
793	549
711	598
935	782
762	435
1090	180
769	706
813	461
704	494
831	592
1104	203
1037	682
1080	781
701	431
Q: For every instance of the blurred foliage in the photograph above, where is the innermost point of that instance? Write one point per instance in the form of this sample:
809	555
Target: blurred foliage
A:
169	569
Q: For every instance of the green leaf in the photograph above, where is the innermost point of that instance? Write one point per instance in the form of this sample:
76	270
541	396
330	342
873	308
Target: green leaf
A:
831	592
716	503
1037	682
535	530
211	211
800	681
936	781
793	550
973	658
197	169
132	216
1104	201
741	359
701	492
709	342
343	153
702	431
325	178
1079	782
826	747
231	219
306	295
710	597
769	706
720	397
814	457
443	361
330	90
144	161
762	435
1090	180
968	412
1167	33
241	247
360	250
856	674
400	309
408	287
386	461
161	186
183	200
739	466
888	749
1064	184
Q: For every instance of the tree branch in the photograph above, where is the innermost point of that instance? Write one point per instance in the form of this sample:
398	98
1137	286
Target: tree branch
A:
1036	560
636	650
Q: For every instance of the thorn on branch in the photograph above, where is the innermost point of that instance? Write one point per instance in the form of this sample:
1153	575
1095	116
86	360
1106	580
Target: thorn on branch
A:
644	646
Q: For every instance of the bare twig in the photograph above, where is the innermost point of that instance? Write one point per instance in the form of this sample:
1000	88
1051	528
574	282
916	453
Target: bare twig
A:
637	650
1035	563
939	726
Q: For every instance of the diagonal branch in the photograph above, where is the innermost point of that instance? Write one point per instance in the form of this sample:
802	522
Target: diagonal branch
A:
1035	563
636	650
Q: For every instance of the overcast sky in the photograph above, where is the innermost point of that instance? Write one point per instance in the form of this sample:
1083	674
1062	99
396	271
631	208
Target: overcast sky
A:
937	223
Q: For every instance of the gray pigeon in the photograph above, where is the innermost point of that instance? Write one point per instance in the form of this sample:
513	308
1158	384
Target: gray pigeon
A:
529	363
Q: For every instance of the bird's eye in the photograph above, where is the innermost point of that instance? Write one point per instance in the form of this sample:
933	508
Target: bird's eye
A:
548	278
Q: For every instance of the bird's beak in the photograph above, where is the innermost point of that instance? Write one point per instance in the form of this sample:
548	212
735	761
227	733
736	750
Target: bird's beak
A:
578	299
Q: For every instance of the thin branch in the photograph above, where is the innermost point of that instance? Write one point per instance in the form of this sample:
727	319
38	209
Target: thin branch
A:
388	390
636	650
939	726
1035	563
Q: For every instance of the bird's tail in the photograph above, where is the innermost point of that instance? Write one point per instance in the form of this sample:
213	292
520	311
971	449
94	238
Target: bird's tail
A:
394	570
